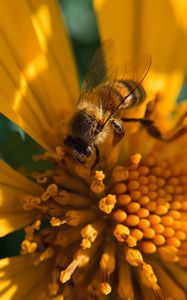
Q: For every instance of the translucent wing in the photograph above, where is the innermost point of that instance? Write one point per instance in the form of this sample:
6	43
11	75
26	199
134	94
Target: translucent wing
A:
102	85
100	70
120	97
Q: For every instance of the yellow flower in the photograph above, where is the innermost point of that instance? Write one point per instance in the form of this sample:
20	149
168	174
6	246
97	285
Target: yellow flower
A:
123	228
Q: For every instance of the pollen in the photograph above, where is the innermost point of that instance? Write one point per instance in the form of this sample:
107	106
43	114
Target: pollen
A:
102	225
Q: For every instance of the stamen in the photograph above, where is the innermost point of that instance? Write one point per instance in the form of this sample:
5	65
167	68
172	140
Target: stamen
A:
90	232
107	264
72	199
135	259
107	203
77	217
55	222
97	186
125	285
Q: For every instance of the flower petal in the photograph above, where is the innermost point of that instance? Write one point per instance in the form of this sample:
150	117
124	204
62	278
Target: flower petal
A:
36	89
154	28
12	187
20	279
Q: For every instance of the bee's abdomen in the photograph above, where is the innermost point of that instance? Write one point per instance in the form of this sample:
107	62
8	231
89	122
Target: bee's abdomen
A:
136	93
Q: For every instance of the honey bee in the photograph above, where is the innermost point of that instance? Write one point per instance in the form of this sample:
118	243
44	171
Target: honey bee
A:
99	108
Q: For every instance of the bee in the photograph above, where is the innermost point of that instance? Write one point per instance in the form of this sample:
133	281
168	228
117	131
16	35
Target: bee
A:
100	106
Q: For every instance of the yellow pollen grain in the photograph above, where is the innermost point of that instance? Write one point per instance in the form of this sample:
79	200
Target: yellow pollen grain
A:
133	174
161	193
161	210
152	186
183	179
124	199
178	190
120	188
154	219
180	235
176	205
143	180
173	241
148	247
169	189
184	205
137	233
151	206
160	182
120	173
133	185
152	179
143	170
157	171
121	232
132	220
167	220
107	203
133	207
142	213
149	233
168	232
158	228
106	288
166	173
135	195
152	195
144	223
143	200
173	181
159	240
143	189
119	215
175	214
177	225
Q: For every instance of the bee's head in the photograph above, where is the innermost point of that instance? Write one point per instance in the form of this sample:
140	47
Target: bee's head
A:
78	148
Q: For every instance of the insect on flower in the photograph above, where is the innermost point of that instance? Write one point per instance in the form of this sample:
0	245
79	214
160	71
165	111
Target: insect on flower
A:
102	100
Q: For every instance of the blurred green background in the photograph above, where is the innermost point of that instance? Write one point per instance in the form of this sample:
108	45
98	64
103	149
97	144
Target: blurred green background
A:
16	147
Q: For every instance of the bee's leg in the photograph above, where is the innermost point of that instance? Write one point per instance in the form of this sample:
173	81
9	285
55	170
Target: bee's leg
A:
148	124
97	157
155	132
119	131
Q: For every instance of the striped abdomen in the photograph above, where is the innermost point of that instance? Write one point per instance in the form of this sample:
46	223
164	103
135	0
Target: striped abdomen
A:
136	93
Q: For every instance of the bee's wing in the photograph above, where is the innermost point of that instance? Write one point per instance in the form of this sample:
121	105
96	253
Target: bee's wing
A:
102	73
100	70
135	75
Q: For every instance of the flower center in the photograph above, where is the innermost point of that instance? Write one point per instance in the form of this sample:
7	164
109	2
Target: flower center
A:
138	209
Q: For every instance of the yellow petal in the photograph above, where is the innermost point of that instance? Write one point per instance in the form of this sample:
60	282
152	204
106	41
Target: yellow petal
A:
38	76
20	279
12	187
149	27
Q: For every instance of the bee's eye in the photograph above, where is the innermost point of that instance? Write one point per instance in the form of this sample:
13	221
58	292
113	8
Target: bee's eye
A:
98	129
87	151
